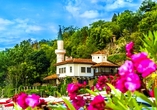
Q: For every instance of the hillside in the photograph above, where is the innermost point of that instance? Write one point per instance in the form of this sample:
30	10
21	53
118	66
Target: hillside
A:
29	62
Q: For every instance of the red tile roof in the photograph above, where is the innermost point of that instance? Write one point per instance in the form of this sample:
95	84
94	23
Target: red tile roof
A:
77	61
103	64
99	52
53	76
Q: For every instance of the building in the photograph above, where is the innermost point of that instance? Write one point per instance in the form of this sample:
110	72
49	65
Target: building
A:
77	67
82	68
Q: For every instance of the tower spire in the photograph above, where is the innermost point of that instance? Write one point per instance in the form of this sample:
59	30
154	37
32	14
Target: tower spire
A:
60	33
60	51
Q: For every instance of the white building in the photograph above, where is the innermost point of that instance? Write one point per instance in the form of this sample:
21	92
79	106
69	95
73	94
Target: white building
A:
77	67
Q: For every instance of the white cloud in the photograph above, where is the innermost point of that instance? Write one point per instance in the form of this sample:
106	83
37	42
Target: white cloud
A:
90	14
73	10
16	30
5	22
33	28
120	4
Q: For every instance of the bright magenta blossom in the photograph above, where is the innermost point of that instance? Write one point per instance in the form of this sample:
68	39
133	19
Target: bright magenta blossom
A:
32	100
21	100
130	71
133	82
73	88
24	100
137	58
143	64
120	85
146	67
97	103
129	49
78	102
130	81
151	93
102	80
127	67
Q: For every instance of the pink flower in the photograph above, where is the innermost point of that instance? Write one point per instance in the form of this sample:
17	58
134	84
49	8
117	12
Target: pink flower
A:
97	103
32	100
24	100
129	49
127	67
146	67
102	80
130	81
78	102
92	88
151	93
143	64
136	58
120	85
21	100
73	87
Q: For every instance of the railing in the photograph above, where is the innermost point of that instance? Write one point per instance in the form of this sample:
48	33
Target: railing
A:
103	73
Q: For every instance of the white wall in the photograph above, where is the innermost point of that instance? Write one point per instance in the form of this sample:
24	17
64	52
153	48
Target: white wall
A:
76	70
98	58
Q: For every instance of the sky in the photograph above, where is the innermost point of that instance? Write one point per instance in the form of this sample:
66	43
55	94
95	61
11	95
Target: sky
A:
40	19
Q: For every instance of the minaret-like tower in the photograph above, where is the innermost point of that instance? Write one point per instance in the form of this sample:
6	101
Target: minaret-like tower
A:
60	51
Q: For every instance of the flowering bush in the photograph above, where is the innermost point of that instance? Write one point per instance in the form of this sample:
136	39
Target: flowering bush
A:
28	102
129	81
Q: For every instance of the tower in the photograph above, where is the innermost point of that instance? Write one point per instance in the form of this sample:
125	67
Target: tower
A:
60	51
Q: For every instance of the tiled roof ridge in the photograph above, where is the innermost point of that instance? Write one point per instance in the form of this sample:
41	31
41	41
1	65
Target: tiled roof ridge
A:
100	52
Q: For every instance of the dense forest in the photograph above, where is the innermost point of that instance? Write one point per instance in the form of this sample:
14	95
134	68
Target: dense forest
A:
29	62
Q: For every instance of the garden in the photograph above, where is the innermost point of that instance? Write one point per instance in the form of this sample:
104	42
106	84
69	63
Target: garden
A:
134	87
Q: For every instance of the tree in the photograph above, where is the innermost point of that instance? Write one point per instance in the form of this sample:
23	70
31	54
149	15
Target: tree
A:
40	64
147	5
149	21
114	18
125	20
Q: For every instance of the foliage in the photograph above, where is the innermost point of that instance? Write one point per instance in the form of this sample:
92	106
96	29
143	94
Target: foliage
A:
150	44
117	57
30	61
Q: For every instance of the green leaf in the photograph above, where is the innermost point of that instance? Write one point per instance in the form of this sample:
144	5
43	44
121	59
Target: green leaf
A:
58	94
57	107
155	94
28	108
145	98
112	106
16	107
70	106
114	90
137	107
91	92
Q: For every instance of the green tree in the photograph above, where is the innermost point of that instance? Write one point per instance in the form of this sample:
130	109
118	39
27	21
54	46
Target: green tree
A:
149	21
147	5
38	60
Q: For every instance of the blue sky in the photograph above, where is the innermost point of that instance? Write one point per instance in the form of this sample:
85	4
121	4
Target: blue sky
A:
39	19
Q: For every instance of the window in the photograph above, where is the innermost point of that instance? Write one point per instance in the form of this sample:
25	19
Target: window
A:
64	70
88	70
59	70
70	69
83	69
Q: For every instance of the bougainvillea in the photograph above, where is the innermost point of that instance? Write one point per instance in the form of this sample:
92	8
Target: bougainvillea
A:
97	103
132	70
25	100
129	78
